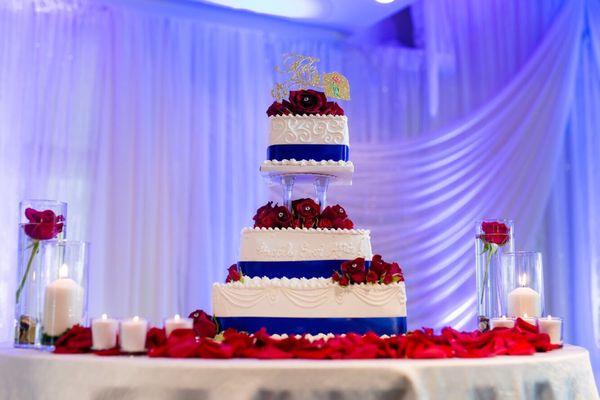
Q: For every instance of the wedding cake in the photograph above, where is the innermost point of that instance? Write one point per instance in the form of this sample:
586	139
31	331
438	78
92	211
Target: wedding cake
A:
303	267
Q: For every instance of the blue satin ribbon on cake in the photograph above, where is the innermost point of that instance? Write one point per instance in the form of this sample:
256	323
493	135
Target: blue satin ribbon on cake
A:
381	326
317	152
292	269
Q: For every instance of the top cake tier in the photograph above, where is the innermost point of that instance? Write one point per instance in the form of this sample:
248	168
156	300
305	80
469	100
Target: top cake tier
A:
308	135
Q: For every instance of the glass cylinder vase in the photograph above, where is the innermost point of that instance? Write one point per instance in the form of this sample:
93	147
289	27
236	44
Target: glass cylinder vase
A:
493	237
39	222
524	284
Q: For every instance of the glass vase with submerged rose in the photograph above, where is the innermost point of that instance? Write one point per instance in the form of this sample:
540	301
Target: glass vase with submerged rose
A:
39	221
493	237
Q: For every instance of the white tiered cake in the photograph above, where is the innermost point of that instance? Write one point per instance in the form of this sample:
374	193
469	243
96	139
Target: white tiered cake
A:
303	268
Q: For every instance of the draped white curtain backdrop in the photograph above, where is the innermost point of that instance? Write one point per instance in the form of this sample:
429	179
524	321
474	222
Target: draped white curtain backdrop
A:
151	124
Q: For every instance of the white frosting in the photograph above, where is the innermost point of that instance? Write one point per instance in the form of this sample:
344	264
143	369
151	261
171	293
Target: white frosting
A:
309	129
307	298
295	244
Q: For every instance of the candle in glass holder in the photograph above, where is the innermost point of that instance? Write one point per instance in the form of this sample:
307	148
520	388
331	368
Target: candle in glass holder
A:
63	304
133	335
524	300
178	323
104	333
553	327
502	322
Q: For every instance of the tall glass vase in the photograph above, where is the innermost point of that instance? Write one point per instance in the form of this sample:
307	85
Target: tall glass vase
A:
493	237
39	221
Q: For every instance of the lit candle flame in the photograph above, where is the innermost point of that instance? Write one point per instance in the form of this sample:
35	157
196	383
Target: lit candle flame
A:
549	317
104	316
523	280
63	271
136	318
177	317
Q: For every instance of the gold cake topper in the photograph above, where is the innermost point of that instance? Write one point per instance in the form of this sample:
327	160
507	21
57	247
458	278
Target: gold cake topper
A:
303	74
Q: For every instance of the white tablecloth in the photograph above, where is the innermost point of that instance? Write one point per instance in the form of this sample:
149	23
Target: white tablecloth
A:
28	374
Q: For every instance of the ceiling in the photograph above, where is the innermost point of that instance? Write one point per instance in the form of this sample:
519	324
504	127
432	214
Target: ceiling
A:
346	15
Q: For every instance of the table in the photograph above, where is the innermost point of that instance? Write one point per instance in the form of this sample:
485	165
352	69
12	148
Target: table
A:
29	374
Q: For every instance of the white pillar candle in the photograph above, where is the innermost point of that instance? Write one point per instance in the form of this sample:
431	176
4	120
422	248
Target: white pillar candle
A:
502	322
104	333
63	304
132	336
524	301
178	323
553	327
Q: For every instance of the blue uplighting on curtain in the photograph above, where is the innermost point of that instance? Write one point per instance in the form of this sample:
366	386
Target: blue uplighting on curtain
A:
151	123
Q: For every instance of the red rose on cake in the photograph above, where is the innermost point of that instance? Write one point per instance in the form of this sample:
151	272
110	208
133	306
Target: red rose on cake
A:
332	108
354	271
306	212
283	108
334	217
269	216
233	274
305	102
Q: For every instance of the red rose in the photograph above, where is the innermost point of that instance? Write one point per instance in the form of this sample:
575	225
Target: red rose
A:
378	266
306	212
334	212
276	108
325	224
307	101
306	208
335	217
355	270
43	225
344	281
495	232
283	217
78	339
372	277
332	108
233	274
264	217
335	276
156	337
204	326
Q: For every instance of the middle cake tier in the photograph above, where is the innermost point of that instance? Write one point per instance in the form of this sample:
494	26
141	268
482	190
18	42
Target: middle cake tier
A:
300	252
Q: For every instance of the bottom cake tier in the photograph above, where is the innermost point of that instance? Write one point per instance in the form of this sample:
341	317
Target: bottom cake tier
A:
317	305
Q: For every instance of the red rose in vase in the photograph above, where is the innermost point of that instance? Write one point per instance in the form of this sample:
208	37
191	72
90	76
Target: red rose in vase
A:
43	225
233	274
204	326
495	232
307	101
